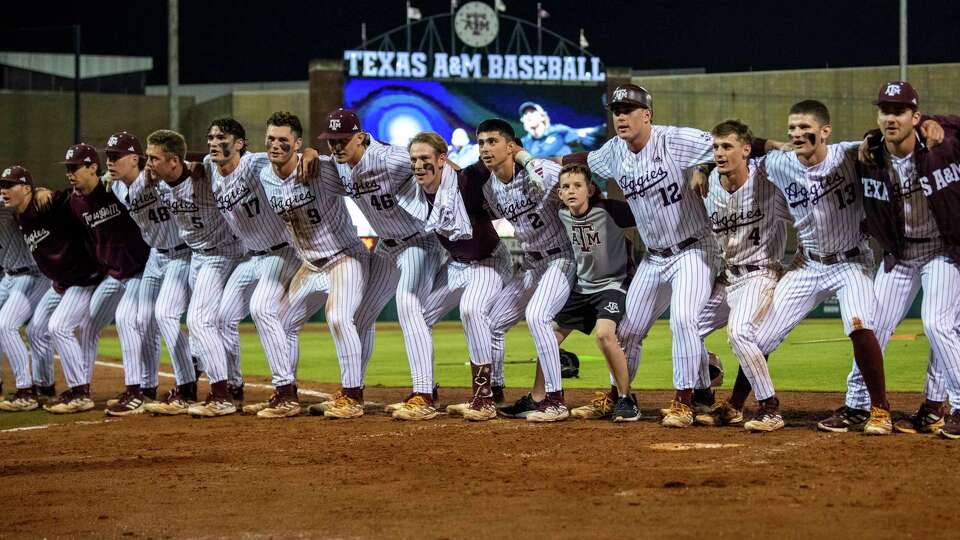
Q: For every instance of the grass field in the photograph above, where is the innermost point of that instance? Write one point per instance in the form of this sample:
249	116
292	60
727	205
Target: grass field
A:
816	357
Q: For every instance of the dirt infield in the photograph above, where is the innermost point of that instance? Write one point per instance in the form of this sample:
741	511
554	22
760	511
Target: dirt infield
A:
374	477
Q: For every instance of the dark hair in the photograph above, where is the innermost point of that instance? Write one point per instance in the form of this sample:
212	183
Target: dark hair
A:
500	126
170	142
229	126
518	141
284	118
580	168
814	108
733	127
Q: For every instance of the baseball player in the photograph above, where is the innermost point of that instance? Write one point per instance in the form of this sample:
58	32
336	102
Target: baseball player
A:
478	265
378	179
544	139
22	287
215	253
164	285
748	215
910	191
259	282
648	162
822	188
62	251
333	272
120	248
545	279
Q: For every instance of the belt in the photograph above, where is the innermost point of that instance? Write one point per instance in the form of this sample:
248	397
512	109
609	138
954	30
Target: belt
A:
321	262
173	249
20	271
673	250
272	249
741	269
390	242
834	258
910	240
541	255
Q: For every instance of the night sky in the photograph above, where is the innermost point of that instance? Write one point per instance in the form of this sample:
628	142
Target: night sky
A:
273	41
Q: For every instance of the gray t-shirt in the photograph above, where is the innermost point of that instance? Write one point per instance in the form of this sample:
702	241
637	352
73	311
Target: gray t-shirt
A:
599	245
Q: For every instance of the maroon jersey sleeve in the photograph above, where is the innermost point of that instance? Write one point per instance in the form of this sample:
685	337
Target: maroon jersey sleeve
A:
576	157
619	211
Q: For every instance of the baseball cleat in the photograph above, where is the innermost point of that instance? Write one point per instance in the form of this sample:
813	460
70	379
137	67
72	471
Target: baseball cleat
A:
236	393
626	409
72	401
497	392
45	394
924	420
255	408
479	410
520	408
23	400
698	408
551	409
343	407
317	409
113	401
416	407
457	409
213	406
601	406
768	417
843	420
394	407
951	426
171	404
679	415
280	406
129	403
722	414
879	423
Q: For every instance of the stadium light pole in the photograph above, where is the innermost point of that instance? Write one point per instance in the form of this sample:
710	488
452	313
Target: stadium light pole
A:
173	63
903	40
76	84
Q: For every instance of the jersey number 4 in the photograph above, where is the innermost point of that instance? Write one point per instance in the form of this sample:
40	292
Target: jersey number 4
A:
382	202
755	236
158	215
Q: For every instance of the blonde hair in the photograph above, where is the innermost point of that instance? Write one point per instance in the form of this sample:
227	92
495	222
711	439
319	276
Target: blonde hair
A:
434	140
170	141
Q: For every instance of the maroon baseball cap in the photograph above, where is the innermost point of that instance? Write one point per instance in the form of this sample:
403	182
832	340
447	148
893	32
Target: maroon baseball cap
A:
631	94
81	154
341	124
124	143
898	92
15	175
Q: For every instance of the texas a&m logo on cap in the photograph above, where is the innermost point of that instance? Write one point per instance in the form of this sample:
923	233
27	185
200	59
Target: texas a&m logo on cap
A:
335	124
112	141
69	153
892	90
619	94
6	172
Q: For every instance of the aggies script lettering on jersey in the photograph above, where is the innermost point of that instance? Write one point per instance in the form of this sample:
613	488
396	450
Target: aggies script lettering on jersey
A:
195	210
750	223
534	219
667	210
14	254
242	201
149	211
824	199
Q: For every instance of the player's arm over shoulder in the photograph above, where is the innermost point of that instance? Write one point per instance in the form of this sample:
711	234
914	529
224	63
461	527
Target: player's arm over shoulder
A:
619	211
689	146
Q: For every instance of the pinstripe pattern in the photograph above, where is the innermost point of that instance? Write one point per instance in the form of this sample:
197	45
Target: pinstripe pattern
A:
23	292
339	286
149	210
243	203
70	318
473	286
257	286
537	293
750	300
687	278
535	220
895	291
667	211
123	299
208	276
38	334
14	253
169	276
917	218
382	279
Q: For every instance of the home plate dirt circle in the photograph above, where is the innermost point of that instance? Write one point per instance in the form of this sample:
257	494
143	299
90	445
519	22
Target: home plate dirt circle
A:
670	446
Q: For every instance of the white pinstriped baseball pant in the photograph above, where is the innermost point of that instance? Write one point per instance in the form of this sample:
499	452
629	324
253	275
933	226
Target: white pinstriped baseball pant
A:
749	298
22	292
407	270
257	286
683	281
895	291
163	302
339	286
59	317
537	293
208	276
811	283
473	286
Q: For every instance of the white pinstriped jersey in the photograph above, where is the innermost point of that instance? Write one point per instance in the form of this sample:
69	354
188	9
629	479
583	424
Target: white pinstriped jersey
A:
242	201
824	199
195	212
14	253
149	210
918	220
317	222
750	223
667	210
377	184
535	220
